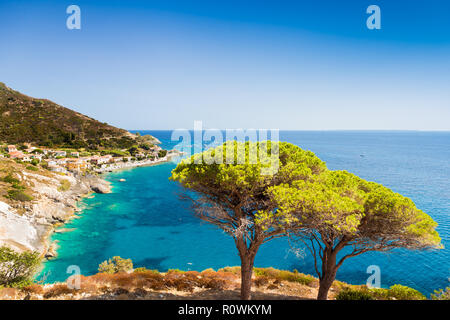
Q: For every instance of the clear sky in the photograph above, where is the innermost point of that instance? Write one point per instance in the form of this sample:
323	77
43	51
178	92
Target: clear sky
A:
300	65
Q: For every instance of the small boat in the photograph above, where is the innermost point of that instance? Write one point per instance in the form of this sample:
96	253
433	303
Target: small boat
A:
122	180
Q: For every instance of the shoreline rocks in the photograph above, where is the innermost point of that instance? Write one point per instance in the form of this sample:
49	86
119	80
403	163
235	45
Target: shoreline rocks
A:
51	208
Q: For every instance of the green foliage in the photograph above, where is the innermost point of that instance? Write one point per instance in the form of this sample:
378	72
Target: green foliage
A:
10	179
400	292
18	186
115	153
43	122
441	294
351	294
32	168
146	146
145	270
395	292
19	195
35	162
133	150
17	269
285	275
162	153
64	185
115	265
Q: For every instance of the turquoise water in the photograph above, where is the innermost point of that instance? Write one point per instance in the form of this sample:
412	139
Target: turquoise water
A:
145	220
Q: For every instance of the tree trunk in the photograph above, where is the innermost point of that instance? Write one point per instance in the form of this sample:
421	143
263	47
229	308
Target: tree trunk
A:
246	276
324	287
329	270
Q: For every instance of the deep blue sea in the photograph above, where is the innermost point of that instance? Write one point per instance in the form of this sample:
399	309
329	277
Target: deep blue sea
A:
145	220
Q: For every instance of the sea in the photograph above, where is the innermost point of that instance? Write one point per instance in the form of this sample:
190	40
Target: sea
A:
146	219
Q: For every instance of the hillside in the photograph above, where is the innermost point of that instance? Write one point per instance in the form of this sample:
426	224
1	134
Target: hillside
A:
43	122
224	284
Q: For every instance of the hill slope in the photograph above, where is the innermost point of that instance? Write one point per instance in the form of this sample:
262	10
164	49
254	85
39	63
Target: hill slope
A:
43	122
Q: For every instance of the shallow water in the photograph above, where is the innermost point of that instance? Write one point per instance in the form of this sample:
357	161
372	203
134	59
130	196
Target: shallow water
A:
144	219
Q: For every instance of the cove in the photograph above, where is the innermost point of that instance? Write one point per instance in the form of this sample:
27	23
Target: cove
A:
145	220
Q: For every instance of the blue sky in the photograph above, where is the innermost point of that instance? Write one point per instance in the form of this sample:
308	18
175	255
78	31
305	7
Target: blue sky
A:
299	65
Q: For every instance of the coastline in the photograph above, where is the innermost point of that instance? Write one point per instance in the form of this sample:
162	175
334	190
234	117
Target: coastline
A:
52	247
29	225
138	163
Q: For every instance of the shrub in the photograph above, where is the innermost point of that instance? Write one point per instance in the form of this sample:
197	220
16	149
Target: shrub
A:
285	275
261	281
234	270
115	265
18	186
162	153
19	195
17	269
400	292
57	290
10	179
64	185
32	168
34	288
352	294
441	294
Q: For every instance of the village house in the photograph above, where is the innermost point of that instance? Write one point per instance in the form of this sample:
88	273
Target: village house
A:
30	149
61	162
51	163
75	154
57	169
11	148
102	160
16	155
59	153
76	165
37	157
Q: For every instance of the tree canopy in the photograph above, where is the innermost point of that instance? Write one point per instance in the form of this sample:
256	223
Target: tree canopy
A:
230	194
337	209
326	210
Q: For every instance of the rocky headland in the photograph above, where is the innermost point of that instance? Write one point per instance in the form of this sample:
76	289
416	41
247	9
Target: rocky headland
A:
27	225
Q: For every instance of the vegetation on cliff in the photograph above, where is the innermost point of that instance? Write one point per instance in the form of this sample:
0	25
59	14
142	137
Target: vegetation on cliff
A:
17	269
142	283
43	122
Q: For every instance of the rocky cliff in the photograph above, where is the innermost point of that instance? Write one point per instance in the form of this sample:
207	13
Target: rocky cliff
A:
27	225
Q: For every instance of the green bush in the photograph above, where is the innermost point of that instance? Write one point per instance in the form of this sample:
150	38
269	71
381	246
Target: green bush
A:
441	294
17	186
145	270
115	265
284	275
162	153
32	168
17	269
19	195
35	162
10	179
395	292
352	294
400	292
65	185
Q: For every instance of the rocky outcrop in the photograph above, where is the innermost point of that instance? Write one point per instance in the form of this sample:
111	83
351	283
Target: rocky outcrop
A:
27	226
21	232
100	186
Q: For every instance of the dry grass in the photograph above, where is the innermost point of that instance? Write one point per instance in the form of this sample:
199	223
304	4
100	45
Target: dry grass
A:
268	283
